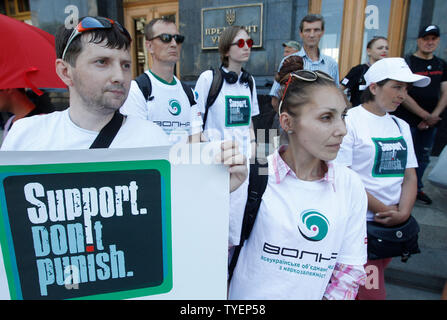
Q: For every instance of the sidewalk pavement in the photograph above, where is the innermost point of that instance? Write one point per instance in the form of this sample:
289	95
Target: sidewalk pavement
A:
424	275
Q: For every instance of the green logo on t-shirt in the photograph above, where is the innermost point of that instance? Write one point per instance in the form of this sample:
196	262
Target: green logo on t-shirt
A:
391	157
313	225
174	107
237	111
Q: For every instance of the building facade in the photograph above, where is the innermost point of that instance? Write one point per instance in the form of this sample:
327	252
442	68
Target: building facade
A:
350	24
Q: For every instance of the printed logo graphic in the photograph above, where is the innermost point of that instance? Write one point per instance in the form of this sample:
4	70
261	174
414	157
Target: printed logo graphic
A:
174	107
313	225
237	111
391	157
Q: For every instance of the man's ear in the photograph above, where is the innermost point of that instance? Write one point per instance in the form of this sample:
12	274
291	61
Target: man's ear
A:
64	71
148	45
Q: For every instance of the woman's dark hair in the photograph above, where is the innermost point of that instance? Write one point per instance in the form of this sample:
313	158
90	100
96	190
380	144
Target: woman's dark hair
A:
226	40
290	64
114	37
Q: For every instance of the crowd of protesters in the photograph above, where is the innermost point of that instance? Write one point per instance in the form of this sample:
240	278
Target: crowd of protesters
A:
325	180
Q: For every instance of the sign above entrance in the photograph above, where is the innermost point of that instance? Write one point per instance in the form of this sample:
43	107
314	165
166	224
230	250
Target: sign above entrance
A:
216	20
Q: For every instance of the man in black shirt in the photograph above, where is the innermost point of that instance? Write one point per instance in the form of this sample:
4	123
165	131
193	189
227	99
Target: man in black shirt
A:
424	106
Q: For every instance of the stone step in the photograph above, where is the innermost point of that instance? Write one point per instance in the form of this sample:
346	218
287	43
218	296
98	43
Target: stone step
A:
426	270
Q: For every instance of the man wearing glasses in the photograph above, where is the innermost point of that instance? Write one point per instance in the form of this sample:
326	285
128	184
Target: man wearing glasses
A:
170	104
94	61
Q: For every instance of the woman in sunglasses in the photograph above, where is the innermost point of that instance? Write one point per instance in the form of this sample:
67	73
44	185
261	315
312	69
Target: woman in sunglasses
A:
379	148
308	240
229	117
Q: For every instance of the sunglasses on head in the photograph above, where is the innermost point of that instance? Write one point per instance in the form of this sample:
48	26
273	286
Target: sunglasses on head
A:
91	23
241	43
303	75
167	38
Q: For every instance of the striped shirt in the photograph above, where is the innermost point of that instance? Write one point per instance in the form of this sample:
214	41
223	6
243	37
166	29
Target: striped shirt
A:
324	63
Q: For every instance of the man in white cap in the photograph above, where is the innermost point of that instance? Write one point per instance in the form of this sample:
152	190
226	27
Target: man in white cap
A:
424	106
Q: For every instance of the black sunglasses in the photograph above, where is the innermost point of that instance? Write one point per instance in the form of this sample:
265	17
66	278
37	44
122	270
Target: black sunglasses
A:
167	38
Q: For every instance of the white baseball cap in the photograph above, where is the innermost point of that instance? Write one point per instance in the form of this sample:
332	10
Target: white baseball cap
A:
394	69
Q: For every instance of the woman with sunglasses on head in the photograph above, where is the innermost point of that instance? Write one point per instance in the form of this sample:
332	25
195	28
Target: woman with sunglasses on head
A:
379	148
377	48
308	240
229	117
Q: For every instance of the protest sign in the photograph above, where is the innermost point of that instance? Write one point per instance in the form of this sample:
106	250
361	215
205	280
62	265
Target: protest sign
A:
124	224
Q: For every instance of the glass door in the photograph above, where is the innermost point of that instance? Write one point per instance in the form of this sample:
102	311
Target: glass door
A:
333	16
377	16
350	24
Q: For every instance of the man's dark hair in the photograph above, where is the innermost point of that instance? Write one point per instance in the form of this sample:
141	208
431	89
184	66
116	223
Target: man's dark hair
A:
114	37
148	28
312	18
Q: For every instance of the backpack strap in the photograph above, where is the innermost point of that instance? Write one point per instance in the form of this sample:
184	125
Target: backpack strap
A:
189	92
216	86
257	184
108	132
145	85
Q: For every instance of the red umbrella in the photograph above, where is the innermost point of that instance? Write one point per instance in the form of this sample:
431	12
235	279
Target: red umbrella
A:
27	57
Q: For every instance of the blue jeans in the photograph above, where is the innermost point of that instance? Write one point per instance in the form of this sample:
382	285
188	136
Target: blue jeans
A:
423	141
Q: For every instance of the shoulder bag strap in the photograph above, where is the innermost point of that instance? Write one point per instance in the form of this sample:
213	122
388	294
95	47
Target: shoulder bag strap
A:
108	133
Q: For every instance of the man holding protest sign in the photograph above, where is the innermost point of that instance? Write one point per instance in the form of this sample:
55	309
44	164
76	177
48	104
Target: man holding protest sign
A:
94	62
57	244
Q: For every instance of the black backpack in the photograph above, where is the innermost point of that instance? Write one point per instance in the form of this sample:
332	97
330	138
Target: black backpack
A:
145	85
215	88
256	187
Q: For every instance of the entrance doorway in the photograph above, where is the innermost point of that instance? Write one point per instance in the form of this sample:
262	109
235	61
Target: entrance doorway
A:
136	15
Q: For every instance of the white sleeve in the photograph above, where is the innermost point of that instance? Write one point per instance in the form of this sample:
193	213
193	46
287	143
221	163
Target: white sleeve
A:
353	250
135	104
196	120
255	104
412	161
344	155
274	91
202	89
16	136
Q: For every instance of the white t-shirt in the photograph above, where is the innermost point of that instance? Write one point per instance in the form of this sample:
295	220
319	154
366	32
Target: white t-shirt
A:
230	116
56	131
170	108
379	149
303	228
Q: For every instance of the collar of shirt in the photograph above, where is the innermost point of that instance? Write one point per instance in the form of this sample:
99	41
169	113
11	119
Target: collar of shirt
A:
321	59
281	169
